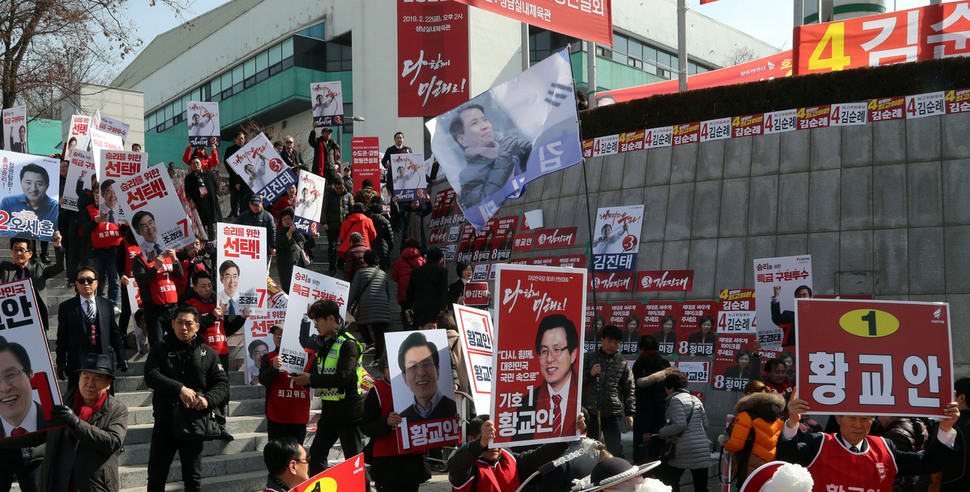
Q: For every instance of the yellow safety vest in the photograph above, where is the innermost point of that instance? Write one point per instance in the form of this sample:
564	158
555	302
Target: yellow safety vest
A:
328	365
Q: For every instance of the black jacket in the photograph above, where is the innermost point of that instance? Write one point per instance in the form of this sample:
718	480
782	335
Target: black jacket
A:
38	275
172	364
328	168
263	219
74	333
208	206
428	291
350	409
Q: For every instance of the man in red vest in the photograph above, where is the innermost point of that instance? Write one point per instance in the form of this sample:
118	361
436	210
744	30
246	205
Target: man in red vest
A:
851	459
287	403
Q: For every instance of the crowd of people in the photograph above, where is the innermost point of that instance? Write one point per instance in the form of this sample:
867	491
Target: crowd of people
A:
182	328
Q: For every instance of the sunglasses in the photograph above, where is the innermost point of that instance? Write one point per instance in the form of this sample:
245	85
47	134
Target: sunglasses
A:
86	280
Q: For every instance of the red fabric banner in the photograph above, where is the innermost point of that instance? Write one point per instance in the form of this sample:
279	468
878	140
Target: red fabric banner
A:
590	20
432	56
366	161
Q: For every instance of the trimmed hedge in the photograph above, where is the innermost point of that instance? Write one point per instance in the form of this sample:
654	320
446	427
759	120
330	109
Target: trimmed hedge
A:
854	85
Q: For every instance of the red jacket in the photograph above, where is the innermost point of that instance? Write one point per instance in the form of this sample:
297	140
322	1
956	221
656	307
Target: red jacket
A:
410	259
208	161
356	222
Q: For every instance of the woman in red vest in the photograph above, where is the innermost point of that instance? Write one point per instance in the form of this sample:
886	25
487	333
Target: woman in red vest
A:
287	403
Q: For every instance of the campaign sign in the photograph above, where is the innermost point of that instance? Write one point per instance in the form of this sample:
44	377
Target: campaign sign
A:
110	125
101	141
30	188
307	287
408	172
617	238
475	327
423	391
698	323
365	154
733	364
77	136
867	357
31	384
307	209
665	281
328	103
737	299
15	128
347	475
157	217
117	166
80	174
777	280
262	168
537	356
696	371
476	293
256	336
203	124
241	254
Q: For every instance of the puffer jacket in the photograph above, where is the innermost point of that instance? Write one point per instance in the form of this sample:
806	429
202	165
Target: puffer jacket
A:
385	237
410	259
610	392
354	260
693	447
335	208
761	412
172	364
356	222
371	288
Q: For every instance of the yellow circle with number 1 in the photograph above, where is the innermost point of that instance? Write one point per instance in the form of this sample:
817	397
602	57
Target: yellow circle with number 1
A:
869	323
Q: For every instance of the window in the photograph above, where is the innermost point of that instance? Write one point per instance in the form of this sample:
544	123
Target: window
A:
543	43
287	48
620	43
275	54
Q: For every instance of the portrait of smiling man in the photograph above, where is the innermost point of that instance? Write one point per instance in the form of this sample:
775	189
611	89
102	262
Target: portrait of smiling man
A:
34	182
557	348
420	366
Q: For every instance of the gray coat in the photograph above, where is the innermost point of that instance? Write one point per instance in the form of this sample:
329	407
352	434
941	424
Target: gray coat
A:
90	451
371	288
693	447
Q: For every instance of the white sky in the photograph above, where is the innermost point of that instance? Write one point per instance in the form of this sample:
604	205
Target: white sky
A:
768	20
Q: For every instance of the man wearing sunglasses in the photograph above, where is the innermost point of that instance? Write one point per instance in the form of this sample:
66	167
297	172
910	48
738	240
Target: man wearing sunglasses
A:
21	267
86	325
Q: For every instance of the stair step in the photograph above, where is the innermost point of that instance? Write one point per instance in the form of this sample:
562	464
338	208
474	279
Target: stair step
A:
237	408
142	398
238	482
137	454
212	466
142	433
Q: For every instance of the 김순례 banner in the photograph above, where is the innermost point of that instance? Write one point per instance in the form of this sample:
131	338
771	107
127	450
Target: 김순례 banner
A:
262	168
508	136
538	356
29	185
157	217
584	19
934	31
203	124
874	357
328	103
432	57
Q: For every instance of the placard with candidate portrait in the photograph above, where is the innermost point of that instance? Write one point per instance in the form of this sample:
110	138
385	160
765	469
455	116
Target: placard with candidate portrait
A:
77	136
81	175
262	169
777	282
508	136
327	99
307	207
149	199
734	364
102	141
539	323
257	338
203	124
110	125
30	390
475	327
15	129
408	172
241	258
698	328
422	388
299	331
30	188
617	238
118	166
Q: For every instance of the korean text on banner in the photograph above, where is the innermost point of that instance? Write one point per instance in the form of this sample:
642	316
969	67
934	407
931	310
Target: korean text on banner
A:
423	389
157	217
475	327
346	475
262	168
590	20
780	281
874	357
365	160
241	257
110	125
77	134
256	336
203	124
934	31
15	128
618	238
101	141
307	209
408	172
432	57
299	333
537	360
81	173
118	166
31	384
508	136
328	103
30	188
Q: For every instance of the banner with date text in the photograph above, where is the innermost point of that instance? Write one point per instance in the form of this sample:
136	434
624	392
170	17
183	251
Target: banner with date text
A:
432	57
866	357
590	20
538	354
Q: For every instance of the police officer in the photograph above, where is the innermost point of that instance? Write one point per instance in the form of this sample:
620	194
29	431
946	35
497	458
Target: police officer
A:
337	375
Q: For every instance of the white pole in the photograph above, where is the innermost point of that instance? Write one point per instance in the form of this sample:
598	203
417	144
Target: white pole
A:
682	45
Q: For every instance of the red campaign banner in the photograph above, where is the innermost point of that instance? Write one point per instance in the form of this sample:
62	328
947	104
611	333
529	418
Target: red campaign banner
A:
813	117
746	126
662	320
538	355
590	20
588	148
611	281
466	244
573	261
485	240
432	57
687	133
632	141
347	475
733	365
438	236
556	238
770	67
366	161
524	241
956	101
627	316
665	280
504	241
869	357
737	300
476	294
935	31
694	339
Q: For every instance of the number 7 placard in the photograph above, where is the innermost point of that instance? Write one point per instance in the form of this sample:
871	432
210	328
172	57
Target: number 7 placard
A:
874	357
153	210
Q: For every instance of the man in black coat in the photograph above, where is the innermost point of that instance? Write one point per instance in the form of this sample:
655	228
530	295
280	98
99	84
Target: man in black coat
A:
397	148
202	191
292	157
22	267
257	216
428	289
86	324
325	163
237	187
183	372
